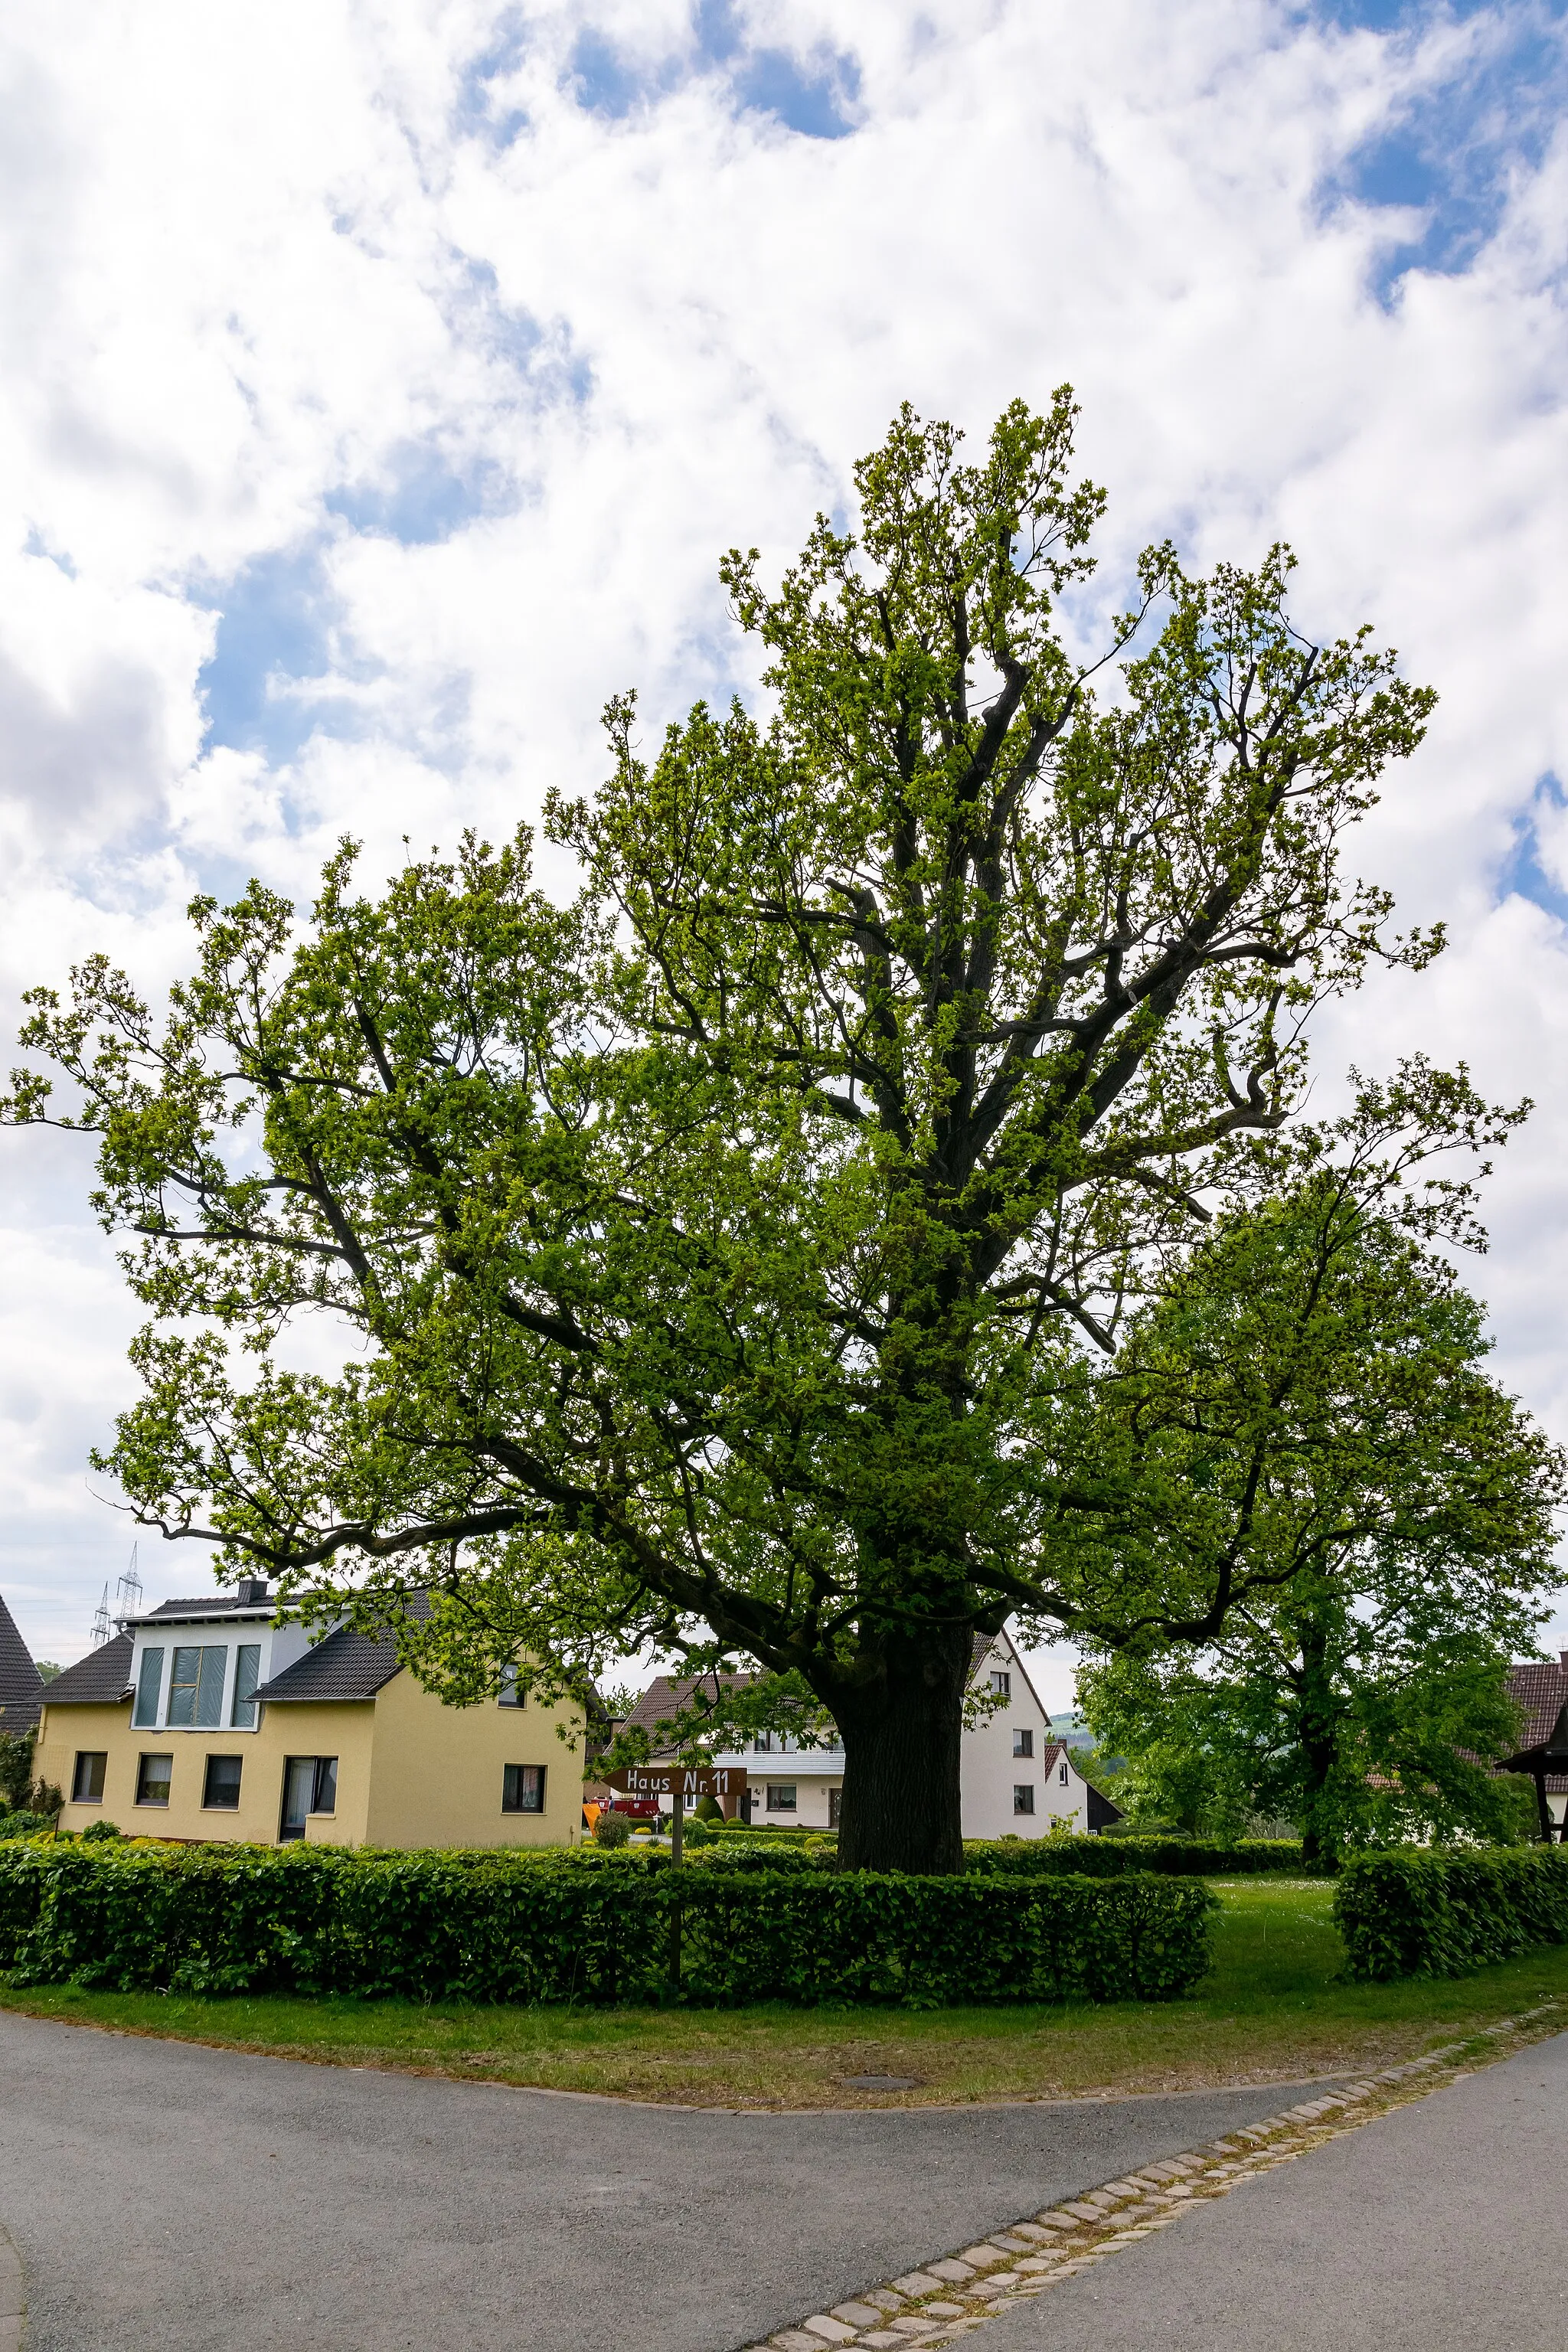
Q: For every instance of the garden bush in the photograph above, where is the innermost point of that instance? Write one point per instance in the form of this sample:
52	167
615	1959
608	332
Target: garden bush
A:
1441	1914
499	1927
1099	1857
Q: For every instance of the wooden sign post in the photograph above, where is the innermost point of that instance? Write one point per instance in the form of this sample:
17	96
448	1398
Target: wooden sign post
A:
678	1781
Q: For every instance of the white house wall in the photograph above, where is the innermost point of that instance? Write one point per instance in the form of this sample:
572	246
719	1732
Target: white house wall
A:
989	1772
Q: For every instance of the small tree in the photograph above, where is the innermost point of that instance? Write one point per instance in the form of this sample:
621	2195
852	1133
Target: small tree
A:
1310	1399
710	1254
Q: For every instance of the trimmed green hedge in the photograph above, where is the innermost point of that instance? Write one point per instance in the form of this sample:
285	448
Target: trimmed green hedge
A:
1441	1914
1100	1857
495	1927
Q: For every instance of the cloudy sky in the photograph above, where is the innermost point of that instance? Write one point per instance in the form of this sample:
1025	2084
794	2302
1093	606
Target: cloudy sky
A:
380	383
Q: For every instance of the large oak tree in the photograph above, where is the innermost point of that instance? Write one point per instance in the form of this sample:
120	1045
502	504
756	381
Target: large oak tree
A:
714	1254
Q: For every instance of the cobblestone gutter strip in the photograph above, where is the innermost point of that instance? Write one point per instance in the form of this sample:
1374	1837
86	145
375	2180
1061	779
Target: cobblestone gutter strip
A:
957	2291
14	2297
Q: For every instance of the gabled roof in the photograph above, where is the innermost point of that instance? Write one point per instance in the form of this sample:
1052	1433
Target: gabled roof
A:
100	1679
667	1694
1540	1688
21	1683
983	1646
346	1664
343	1665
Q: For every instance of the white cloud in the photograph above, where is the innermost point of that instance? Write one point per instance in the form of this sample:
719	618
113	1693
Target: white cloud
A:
443	348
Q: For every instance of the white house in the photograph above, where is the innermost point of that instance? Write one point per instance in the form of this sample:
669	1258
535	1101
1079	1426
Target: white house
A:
1017	1780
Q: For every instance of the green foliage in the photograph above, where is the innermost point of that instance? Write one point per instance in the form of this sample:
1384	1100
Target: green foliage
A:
100	1833
440	1926
1306	1403
1101	1857
612	1829
714	1257
1441	1914
16	1769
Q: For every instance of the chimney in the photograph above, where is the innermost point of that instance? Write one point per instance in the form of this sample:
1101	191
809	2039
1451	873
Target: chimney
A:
253	1591
1562	1655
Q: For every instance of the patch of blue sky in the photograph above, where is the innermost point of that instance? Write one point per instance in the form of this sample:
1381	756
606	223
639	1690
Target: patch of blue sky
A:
542	359
274	638
814	96
1523	874
422	497
476	113
35	544
1450	149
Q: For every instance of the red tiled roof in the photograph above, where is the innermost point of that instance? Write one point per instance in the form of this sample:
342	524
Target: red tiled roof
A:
1540	1688
667	1694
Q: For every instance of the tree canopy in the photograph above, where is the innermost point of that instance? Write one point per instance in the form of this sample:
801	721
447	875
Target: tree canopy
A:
720	1259
1309	1398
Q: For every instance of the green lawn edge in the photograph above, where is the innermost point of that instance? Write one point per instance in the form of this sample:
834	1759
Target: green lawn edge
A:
1274	2008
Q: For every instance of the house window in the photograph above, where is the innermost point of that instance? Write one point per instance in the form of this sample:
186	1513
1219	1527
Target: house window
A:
1023	1798
148	1681
782	1801
1001	1685
247	1674
196	1689
1062	1774
153	1774
763	1744
310	1786
220	1789
834	1806
522	1789
509	1694
86	1784
1023	1743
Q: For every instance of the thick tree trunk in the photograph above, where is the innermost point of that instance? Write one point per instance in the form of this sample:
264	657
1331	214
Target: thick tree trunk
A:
1318	1727
901	1808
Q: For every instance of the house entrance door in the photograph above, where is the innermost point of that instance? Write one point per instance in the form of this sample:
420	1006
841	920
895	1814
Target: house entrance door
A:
298	1791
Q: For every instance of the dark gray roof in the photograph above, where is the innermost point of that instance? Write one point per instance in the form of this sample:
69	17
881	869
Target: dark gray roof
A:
100	1679
223	1605
21	1683
345	1665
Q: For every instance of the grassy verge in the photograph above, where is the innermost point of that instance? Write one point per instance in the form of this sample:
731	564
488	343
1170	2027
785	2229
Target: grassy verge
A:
1271	2011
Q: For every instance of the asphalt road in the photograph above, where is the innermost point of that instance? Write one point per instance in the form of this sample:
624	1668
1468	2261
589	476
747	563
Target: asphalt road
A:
165	2196
1440	2228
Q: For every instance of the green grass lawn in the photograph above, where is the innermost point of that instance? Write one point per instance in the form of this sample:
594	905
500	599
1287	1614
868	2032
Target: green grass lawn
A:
1272	2010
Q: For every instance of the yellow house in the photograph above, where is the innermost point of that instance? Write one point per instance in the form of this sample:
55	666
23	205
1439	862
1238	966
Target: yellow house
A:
203	1720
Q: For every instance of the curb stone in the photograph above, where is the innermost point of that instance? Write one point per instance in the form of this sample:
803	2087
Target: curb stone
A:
13	2295
954	2294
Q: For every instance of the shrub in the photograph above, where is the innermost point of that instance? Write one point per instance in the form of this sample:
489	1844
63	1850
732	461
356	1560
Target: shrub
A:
1095	1857
612	1829
597	1928
96	1833
24	1825
1440	1915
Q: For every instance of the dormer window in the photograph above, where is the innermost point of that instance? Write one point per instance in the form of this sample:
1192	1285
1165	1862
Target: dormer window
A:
149	1682
196	1688
247	1674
